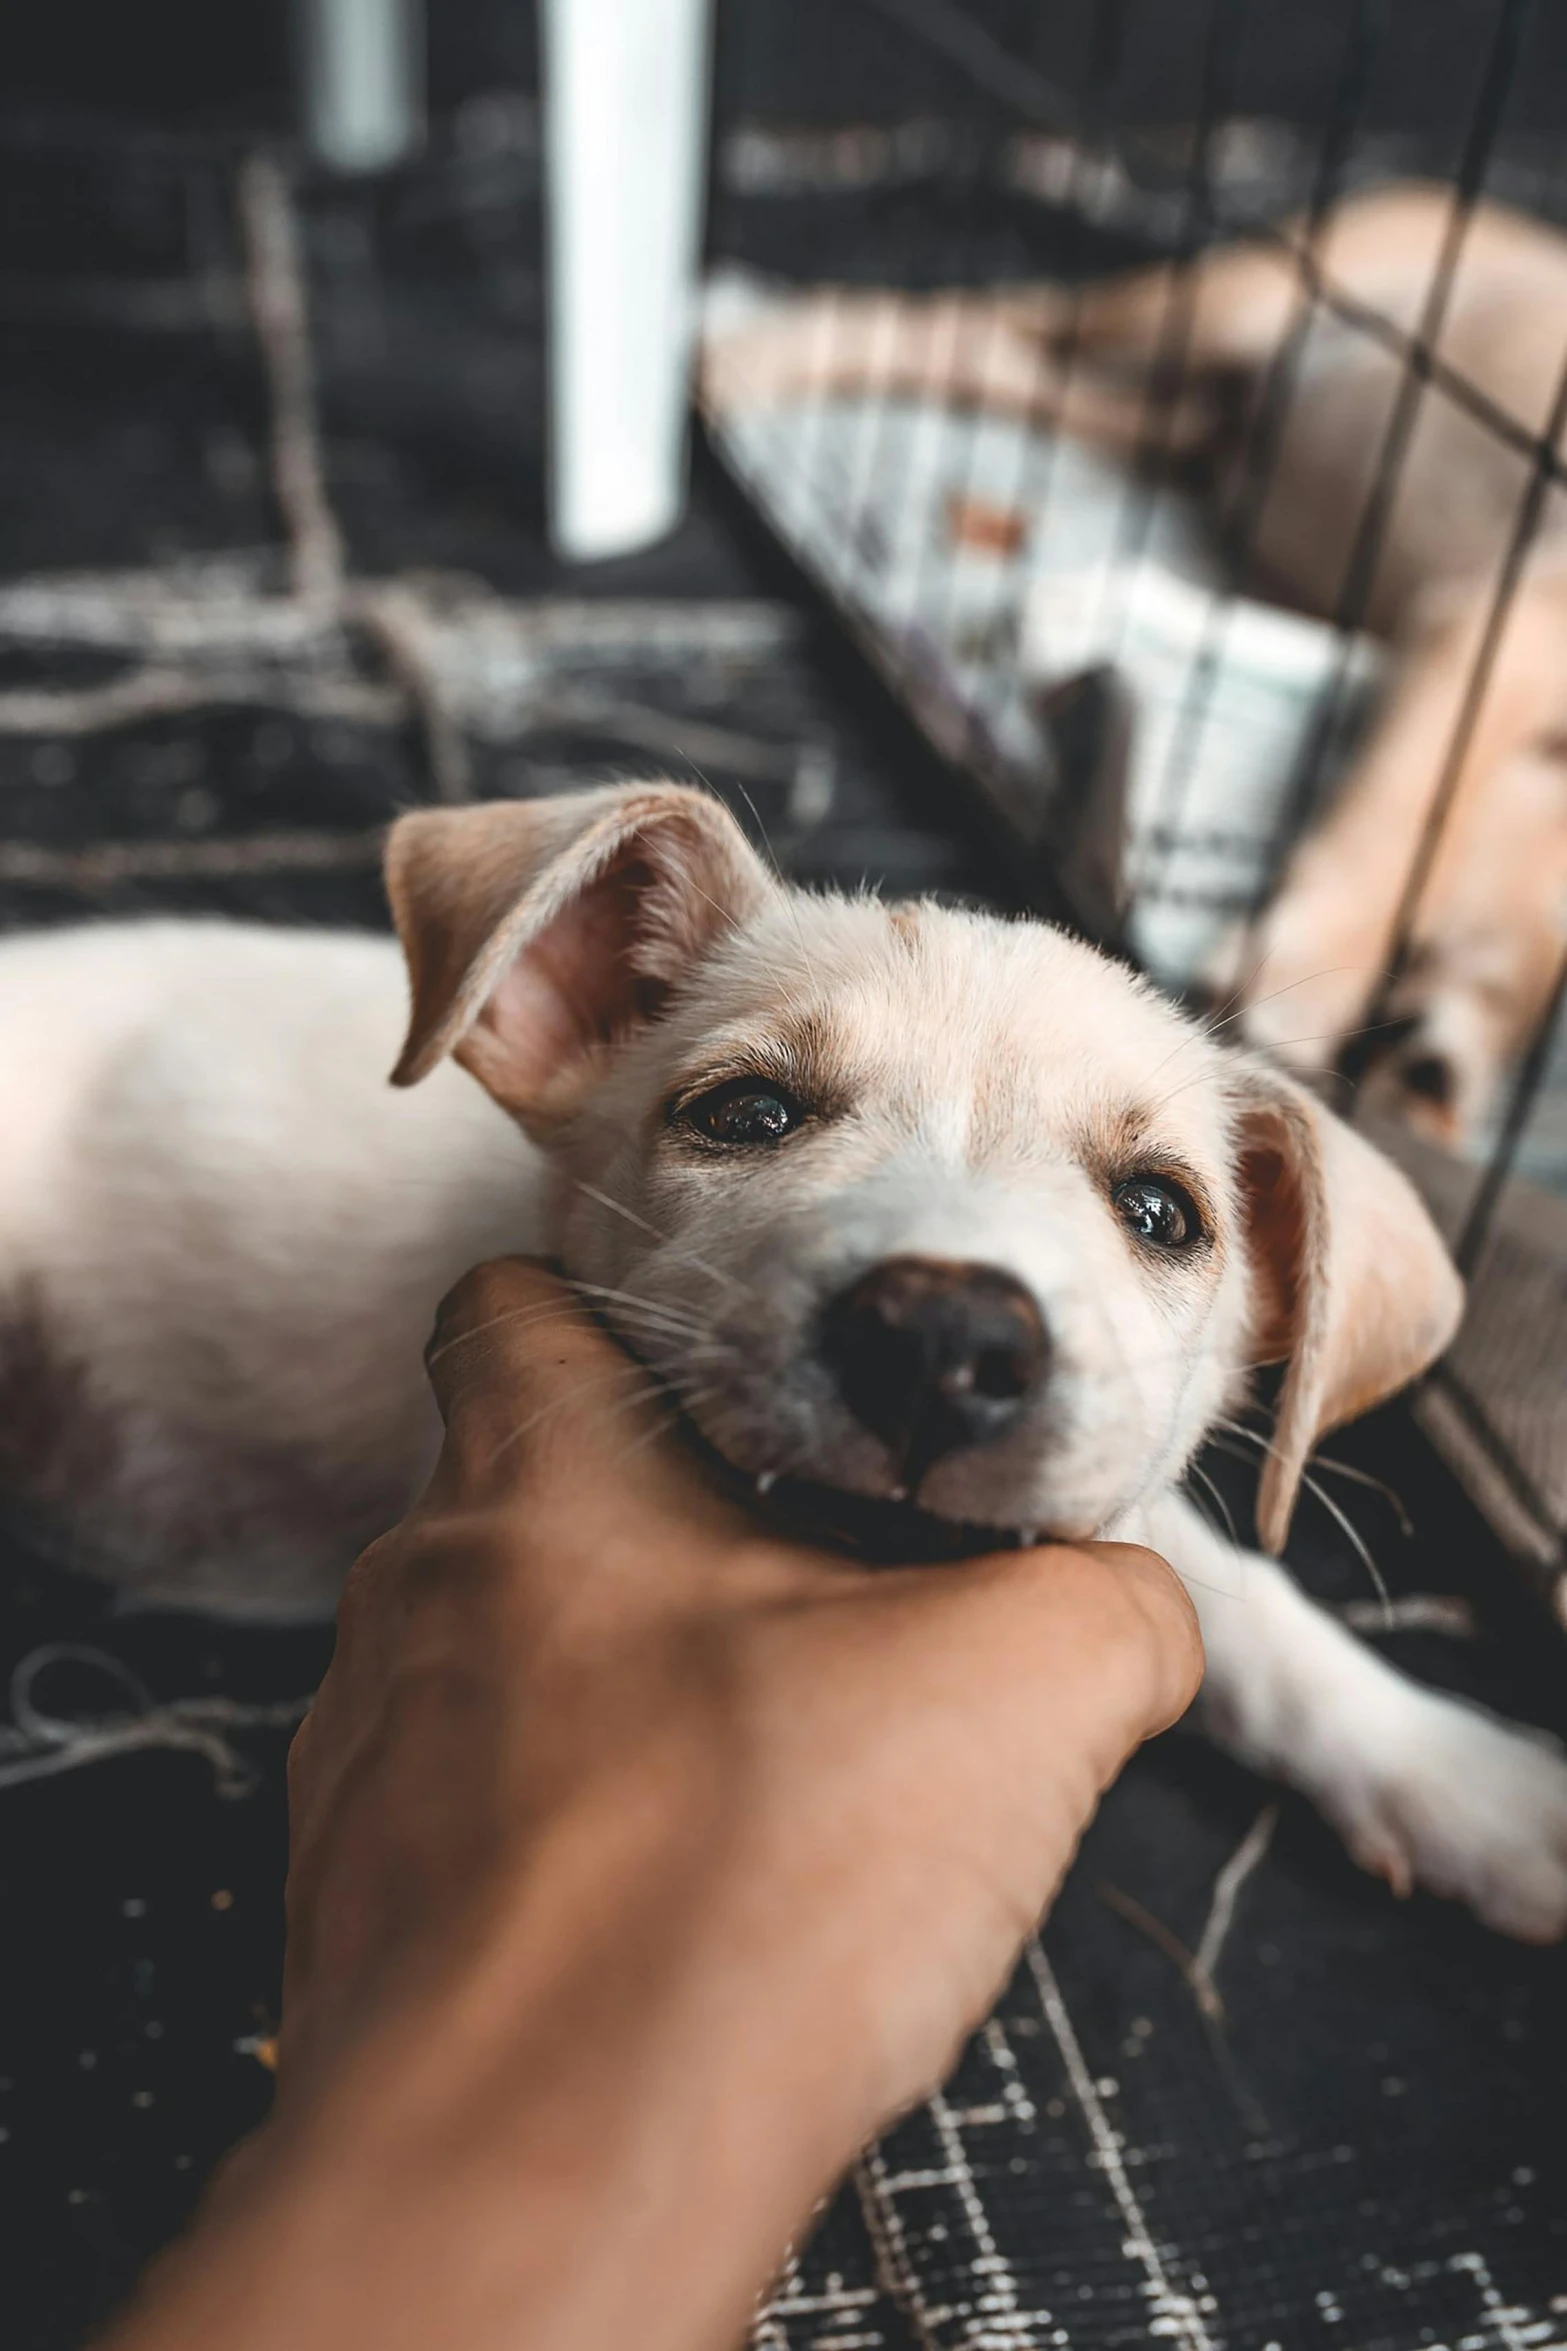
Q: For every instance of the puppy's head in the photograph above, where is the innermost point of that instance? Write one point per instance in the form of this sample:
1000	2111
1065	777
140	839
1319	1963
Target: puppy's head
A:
900	1200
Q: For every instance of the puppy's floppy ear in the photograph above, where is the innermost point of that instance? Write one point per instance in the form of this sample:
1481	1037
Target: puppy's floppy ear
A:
1351	1283
539	931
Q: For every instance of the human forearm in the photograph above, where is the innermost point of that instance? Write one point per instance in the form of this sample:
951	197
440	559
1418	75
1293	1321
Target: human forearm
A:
588	2139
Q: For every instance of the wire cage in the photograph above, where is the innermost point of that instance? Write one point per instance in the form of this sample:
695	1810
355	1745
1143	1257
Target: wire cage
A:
1174	413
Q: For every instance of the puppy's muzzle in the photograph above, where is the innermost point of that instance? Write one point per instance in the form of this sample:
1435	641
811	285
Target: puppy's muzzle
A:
934	1356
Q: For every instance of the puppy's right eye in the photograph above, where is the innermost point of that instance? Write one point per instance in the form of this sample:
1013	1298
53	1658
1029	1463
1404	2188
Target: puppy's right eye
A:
1158	1211
744	1112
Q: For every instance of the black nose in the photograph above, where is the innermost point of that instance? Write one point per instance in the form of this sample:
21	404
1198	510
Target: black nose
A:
933	1356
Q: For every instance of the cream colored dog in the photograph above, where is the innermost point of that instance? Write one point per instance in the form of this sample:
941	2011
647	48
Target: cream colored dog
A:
903	1202
1193	362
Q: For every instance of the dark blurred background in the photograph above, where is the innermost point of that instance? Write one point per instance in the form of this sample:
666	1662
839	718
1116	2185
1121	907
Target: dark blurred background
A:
178	63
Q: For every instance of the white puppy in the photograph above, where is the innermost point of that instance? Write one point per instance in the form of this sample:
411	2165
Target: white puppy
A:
897	1200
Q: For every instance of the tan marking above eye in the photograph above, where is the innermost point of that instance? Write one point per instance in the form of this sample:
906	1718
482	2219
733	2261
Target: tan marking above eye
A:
797	1057
691	1089
1125	1145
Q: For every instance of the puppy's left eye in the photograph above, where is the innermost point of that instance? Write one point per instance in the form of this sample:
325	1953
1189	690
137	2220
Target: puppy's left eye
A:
1158	1211
744	1112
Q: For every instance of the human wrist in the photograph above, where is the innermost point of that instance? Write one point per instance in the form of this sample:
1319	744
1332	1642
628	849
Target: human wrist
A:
582	2127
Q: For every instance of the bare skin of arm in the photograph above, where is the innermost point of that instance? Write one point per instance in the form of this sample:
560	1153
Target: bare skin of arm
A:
643	1866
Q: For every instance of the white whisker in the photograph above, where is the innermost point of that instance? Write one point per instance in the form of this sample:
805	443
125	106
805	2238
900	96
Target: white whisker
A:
1363	1477
1335	1468
548	1310
620	1209
1195	1470
558	1403
1361	1547
686	1256
1345	1524
675	1317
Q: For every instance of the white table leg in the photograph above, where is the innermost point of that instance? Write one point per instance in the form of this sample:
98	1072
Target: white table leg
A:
625	124
362	71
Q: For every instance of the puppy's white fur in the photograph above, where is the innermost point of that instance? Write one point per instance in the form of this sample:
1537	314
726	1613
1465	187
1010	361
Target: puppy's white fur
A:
222	1238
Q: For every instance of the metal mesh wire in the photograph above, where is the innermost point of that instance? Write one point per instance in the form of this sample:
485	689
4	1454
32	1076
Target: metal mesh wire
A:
1001	148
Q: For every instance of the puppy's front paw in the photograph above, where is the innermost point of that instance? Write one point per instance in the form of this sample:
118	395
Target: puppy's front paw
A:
1470	1808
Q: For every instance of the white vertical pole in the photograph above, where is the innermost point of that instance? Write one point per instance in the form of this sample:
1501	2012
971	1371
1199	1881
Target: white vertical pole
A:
362	64
625	133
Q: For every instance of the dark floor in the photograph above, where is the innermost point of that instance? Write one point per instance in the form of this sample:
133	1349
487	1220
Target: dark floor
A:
1369	2153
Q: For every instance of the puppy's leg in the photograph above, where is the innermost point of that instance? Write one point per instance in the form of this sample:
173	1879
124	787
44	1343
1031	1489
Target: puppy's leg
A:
1491	899
970	349
1228	311
1424	1789
1011	352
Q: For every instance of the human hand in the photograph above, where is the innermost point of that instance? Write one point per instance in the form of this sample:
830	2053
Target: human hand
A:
643	1864
573	1657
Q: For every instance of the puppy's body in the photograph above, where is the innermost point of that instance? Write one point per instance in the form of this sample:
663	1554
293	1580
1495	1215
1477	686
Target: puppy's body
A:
1355	491
221	1237
222	1240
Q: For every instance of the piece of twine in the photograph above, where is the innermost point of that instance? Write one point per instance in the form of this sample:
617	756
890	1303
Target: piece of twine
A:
38	1745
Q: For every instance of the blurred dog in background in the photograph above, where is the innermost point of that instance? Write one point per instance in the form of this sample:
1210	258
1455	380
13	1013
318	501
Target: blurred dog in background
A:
1374	483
